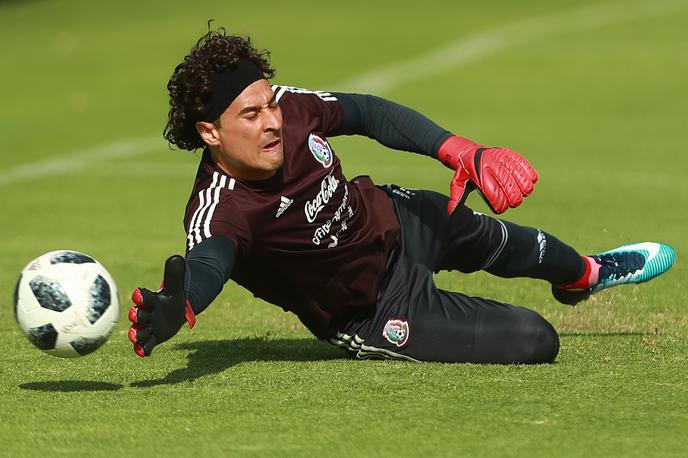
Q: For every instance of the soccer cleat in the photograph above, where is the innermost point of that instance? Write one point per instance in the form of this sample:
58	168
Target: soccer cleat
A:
633	263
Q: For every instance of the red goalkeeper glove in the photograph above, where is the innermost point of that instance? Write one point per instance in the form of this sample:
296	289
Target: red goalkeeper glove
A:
158	316
501	176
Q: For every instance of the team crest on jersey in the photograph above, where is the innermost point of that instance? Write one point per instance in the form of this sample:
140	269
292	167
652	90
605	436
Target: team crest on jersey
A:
321	150
396	332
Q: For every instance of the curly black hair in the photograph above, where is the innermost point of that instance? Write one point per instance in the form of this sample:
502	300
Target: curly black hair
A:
190	86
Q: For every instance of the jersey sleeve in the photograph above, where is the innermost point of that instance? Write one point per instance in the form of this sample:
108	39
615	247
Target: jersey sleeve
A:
208	267
394	126
213	211
319	110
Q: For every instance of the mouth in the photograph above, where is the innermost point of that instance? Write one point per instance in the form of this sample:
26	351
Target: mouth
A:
272	146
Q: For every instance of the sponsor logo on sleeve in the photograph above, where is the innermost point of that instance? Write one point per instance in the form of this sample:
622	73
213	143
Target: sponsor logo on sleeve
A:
396	332
321	150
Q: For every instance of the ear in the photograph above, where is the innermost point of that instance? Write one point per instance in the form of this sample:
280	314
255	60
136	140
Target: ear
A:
208	133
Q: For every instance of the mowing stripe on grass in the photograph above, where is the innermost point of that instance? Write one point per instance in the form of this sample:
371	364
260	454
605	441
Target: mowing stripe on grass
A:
469	50
78	159
450	56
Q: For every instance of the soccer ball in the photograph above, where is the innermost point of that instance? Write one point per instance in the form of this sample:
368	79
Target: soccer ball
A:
66	303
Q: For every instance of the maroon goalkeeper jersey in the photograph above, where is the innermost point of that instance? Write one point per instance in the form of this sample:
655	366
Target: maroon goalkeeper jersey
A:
308	239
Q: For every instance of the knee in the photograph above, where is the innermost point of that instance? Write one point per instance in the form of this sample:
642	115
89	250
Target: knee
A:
525	337
545	342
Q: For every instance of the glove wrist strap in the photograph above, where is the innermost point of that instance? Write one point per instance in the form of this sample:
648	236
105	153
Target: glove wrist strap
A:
189	314
453	148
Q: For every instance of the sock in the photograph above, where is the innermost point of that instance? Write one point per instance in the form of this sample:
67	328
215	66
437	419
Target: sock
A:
532	253
589	278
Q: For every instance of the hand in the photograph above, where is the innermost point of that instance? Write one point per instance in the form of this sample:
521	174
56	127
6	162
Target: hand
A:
158	316
502	176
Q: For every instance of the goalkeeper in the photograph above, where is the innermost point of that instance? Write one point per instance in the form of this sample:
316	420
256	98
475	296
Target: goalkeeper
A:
271	210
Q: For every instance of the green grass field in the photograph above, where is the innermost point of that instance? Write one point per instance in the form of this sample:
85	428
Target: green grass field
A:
593	93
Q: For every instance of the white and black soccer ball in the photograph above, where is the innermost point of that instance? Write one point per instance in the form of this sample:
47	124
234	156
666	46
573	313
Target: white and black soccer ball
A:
66	303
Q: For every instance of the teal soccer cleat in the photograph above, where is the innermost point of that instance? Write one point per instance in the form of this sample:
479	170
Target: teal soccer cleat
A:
633	263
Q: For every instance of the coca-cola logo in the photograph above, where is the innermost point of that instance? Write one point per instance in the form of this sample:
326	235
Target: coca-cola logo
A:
328	186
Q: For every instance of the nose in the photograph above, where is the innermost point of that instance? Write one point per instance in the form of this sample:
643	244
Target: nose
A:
273	119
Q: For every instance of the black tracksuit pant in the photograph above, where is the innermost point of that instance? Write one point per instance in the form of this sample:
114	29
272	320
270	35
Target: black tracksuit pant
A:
415	320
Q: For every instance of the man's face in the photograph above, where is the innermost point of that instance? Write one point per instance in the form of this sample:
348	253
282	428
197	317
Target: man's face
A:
247	142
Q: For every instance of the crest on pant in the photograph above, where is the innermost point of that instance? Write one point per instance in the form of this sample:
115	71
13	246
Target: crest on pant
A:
396	332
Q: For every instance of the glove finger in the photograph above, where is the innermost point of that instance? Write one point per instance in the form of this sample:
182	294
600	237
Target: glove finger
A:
175	267
458	190
521	170
138	349
138	334
144	298
493	191
530	170
139	315
149	344
525	175
515	198
132	315
511	163
512	157
132	334
522	179
509	184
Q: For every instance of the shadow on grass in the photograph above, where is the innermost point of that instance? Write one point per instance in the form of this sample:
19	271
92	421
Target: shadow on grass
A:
215	356
70	386
606	334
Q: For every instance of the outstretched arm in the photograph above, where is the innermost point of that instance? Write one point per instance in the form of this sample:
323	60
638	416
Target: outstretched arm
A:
391	124
501	176
209	265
